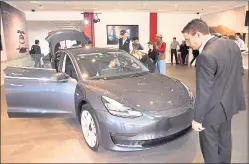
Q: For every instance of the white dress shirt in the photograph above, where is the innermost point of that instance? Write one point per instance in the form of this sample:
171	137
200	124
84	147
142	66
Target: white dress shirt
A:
240	43
204	43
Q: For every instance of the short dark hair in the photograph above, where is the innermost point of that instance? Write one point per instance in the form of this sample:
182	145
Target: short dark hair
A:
196	25
135	38
238	34
174	38
37	41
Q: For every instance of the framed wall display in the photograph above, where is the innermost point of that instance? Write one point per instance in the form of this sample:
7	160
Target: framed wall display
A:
113	32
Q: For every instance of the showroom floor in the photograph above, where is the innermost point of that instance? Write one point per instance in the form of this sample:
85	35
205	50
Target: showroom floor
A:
58	140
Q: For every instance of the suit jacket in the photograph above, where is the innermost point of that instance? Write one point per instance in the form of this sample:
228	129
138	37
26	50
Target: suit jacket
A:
219	88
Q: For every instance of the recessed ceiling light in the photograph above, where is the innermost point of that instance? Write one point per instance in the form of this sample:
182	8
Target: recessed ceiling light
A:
66	2
118	3
35	2
93	2
212	6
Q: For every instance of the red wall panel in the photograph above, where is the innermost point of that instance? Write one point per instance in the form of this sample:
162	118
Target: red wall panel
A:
153	26
89	26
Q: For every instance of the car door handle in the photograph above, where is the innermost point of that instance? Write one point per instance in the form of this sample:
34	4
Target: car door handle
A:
16	74
16	85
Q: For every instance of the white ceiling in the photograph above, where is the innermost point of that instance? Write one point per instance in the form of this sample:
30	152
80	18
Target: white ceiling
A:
203	7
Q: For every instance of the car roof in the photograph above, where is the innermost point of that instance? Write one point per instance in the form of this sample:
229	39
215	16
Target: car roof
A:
78	51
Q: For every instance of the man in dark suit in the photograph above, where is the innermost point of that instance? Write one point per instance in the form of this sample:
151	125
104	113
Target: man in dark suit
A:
124	42
219	90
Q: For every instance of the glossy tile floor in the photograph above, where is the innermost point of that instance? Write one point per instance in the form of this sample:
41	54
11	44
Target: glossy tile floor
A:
58	140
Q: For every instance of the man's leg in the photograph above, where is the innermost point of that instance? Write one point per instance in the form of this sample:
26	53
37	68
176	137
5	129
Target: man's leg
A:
172	52
209	138
183	59
225	142
175	52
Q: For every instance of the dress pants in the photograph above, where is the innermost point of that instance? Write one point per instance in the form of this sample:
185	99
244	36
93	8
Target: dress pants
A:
216	143
183	55
174	52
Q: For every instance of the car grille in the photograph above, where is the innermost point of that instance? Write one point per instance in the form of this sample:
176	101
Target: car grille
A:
150	143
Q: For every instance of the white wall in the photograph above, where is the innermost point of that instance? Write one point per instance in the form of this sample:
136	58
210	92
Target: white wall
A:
3	53
38	33
142	19
51	15
233	19
171	25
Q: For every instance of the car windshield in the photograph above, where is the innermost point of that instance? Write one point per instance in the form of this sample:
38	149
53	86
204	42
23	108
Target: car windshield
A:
110	65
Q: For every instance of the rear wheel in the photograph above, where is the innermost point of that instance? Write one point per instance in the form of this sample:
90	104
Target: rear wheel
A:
89	128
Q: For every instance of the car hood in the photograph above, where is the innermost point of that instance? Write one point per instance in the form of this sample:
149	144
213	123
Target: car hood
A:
151	92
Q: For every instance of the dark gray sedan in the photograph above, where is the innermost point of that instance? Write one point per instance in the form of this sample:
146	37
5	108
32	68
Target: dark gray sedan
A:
119	103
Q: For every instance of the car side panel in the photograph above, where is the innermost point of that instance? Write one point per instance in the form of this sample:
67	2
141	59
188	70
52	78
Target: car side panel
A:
32	93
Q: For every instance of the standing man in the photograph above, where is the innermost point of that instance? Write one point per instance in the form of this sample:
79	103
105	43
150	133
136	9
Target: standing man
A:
124	42
219	90
239	42
136	45
173	49
161	48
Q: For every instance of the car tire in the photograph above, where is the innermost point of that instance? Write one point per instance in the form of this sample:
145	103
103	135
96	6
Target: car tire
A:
90	127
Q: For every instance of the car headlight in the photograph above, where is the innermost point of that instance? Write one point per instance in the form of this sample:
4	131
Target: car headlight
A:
118	109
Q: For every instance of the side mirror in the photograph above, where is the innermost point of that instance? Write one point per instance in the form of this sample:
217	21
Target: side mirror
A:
60	77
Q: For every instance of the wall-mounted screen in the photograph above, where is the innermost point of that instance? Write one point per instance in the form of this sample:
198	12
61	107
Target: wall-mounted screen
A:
113	32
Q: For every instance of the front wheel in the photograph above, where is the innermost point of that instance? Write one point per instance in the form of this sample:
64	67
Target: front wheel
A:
89	129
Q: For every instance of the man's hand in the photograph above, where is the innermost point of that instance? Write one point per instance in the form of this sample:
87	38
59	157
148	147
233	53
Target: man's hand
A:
197	126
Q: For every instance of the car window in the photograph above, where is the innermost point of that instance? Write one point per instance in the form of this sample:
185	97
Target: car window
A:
61	62
69	67
109	64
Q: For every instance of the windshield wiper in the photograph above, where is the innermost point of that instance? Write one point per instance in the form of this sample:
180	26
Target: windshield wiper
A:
138	74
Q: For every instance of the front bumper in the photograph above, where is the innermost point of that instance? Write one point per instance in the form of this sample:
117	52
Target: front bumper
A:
124	134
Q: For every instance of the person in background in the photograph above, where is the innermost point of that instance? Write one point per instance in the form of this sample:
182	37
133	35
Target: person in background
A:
219	90
239	42
173	49
195	54
36	54
57	47
90	44
184	49
153	53
161	48
124	42
136	45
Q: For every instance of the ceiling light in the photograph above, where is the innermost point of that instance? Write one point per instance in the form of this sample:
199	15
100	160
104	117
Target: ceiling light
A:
212	6
35	2
66	2
93	2
118	3
144	4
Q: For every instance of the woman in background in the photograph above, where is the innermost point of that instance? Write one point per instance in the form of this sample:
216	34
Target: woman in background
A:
153	53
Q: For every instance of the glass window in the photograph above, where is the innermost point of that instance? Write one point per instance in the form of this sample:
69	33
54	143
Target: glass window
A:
109	65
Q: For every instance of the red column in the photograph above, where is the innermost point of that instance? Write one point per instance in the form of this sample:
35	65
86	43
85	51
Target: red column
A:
89	26
153	26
